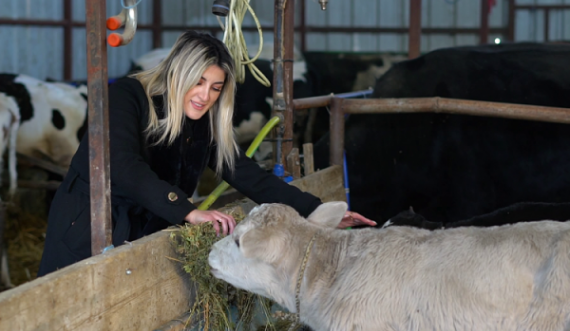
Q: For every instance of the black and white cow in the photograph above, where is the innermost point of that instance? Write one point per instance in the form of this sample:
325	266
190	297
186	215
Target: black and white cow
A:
52	116
457	168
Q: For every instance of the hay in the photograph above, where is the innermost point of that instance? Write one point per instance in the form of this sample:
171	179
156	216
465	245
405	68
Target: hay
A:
25	237
215	298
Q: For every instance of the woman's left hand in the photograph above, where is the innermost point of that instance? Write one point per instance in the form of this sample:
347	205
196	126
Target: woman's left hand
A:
351	218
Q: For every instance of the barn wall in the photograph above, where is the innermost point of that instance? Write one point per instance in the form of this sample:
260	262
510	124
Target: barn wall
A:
38	51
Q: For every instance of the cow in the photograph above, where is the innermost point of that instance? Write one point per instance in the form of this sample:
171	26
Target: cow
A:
457	168
53	116
513	277
338	73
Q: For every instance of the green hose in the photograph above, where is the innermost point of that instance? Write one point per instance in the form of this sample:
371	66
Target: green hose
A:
206	204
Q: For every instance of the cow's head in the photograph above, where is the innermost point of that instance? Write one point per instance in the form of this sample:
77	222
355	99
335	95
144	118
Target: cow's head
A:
264	252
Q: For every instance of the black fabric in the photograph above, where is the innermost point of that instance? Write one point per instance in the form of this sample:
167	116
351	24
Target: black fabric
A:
143	175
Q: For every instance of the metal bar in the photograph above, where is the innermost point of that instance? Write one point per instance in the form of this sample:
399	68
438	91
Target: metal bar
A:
308	28
546	23
67	40
457	106
156	24
336	131
325	100
278	97
484	32
288	59
415	32
98	120
283	76
302	25
511	21
538	7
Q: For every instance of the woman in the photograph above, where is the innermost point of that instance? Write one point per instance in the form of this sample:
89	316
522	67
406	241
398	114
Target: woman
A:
157	155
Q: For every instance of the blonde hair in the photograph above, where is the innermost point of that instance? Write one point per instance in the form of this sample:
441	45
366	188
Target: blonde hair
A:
180	71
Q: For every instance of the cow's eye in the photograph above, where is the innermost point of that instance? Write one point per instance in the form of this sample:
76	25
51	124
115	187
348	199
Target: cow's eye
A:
237	242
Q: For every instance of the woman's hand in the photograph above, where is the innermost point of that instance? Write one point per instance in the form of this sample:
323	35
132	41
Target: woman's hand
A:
351	218
218	219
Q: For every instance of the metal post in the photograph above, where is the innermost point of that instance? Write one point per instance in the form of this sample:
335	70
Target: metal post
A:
511	23
67	40
546	23
283	73
98	114
336	131
156	24
415	30
484	31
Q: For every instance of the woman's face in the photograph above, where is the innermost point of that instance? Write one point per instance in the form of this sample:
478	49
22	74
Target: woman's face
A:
199	99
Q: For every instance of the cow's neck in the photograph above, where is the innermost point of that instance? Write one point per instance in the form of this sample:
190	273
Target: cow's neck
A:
323	263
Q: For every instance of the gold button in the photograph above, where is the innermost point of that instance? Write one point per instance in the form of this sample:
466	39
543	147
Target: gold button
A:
172	196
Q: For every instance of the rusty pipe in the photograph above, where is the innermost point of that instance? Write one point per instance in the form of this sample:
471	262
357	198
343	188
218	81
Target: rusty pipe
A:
457	106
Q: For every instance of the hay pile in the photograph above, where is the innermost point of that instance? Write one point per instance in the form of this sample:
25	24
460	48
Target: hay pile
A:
216	299
25	236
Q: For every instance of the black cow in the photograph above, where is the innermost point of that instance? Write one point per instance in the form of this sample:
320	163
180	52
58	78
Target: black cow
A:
464	170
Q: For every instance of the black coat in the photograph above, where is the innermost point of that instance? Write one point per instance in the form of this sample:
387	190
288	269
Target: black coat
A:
150	184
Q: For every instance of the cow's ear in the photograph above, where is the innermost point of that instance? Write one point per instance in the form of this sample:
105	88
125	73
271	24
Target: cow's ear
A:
329	214
264	244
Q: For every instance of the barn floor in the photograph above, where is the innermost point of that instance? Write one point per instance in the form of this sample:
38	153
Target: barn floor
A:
25	234
26	224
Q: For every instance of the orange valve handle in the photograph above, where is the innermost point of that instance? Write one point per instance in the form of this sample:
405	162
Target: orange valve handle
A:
115	39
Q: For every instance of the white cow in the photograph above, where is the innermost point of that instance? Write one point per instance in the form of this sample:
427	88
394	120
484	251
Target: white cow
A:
514	277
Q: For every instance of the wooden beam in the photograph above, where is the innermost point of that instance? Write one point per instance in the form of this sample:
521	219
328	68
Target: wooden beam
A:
131	287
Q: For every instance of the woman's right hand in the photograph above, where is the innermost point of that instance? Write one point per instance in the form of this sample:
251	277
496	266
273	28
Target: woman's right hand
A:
218	219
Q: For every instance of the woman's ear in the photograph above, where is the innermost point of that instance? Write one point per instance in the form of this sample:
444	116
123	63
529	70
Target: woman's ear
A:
329	214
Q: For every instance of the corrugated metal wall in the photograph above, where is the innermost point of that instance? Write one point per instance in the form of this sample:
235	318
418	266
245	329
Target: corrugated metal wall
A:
38	50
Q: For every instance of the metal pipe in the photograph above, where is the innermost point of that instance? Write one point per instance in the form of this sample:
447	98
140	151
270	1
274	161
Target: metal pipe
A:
435	105
415	32
67	40
325	100
484	31
546	23
283	75
278	98
156	23
457	106
127	18
511	21
337	131
98	121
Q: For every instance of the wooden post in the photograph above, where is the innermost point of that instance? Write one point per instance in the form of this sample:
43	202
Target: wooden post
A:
336	132
308	159
294	163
